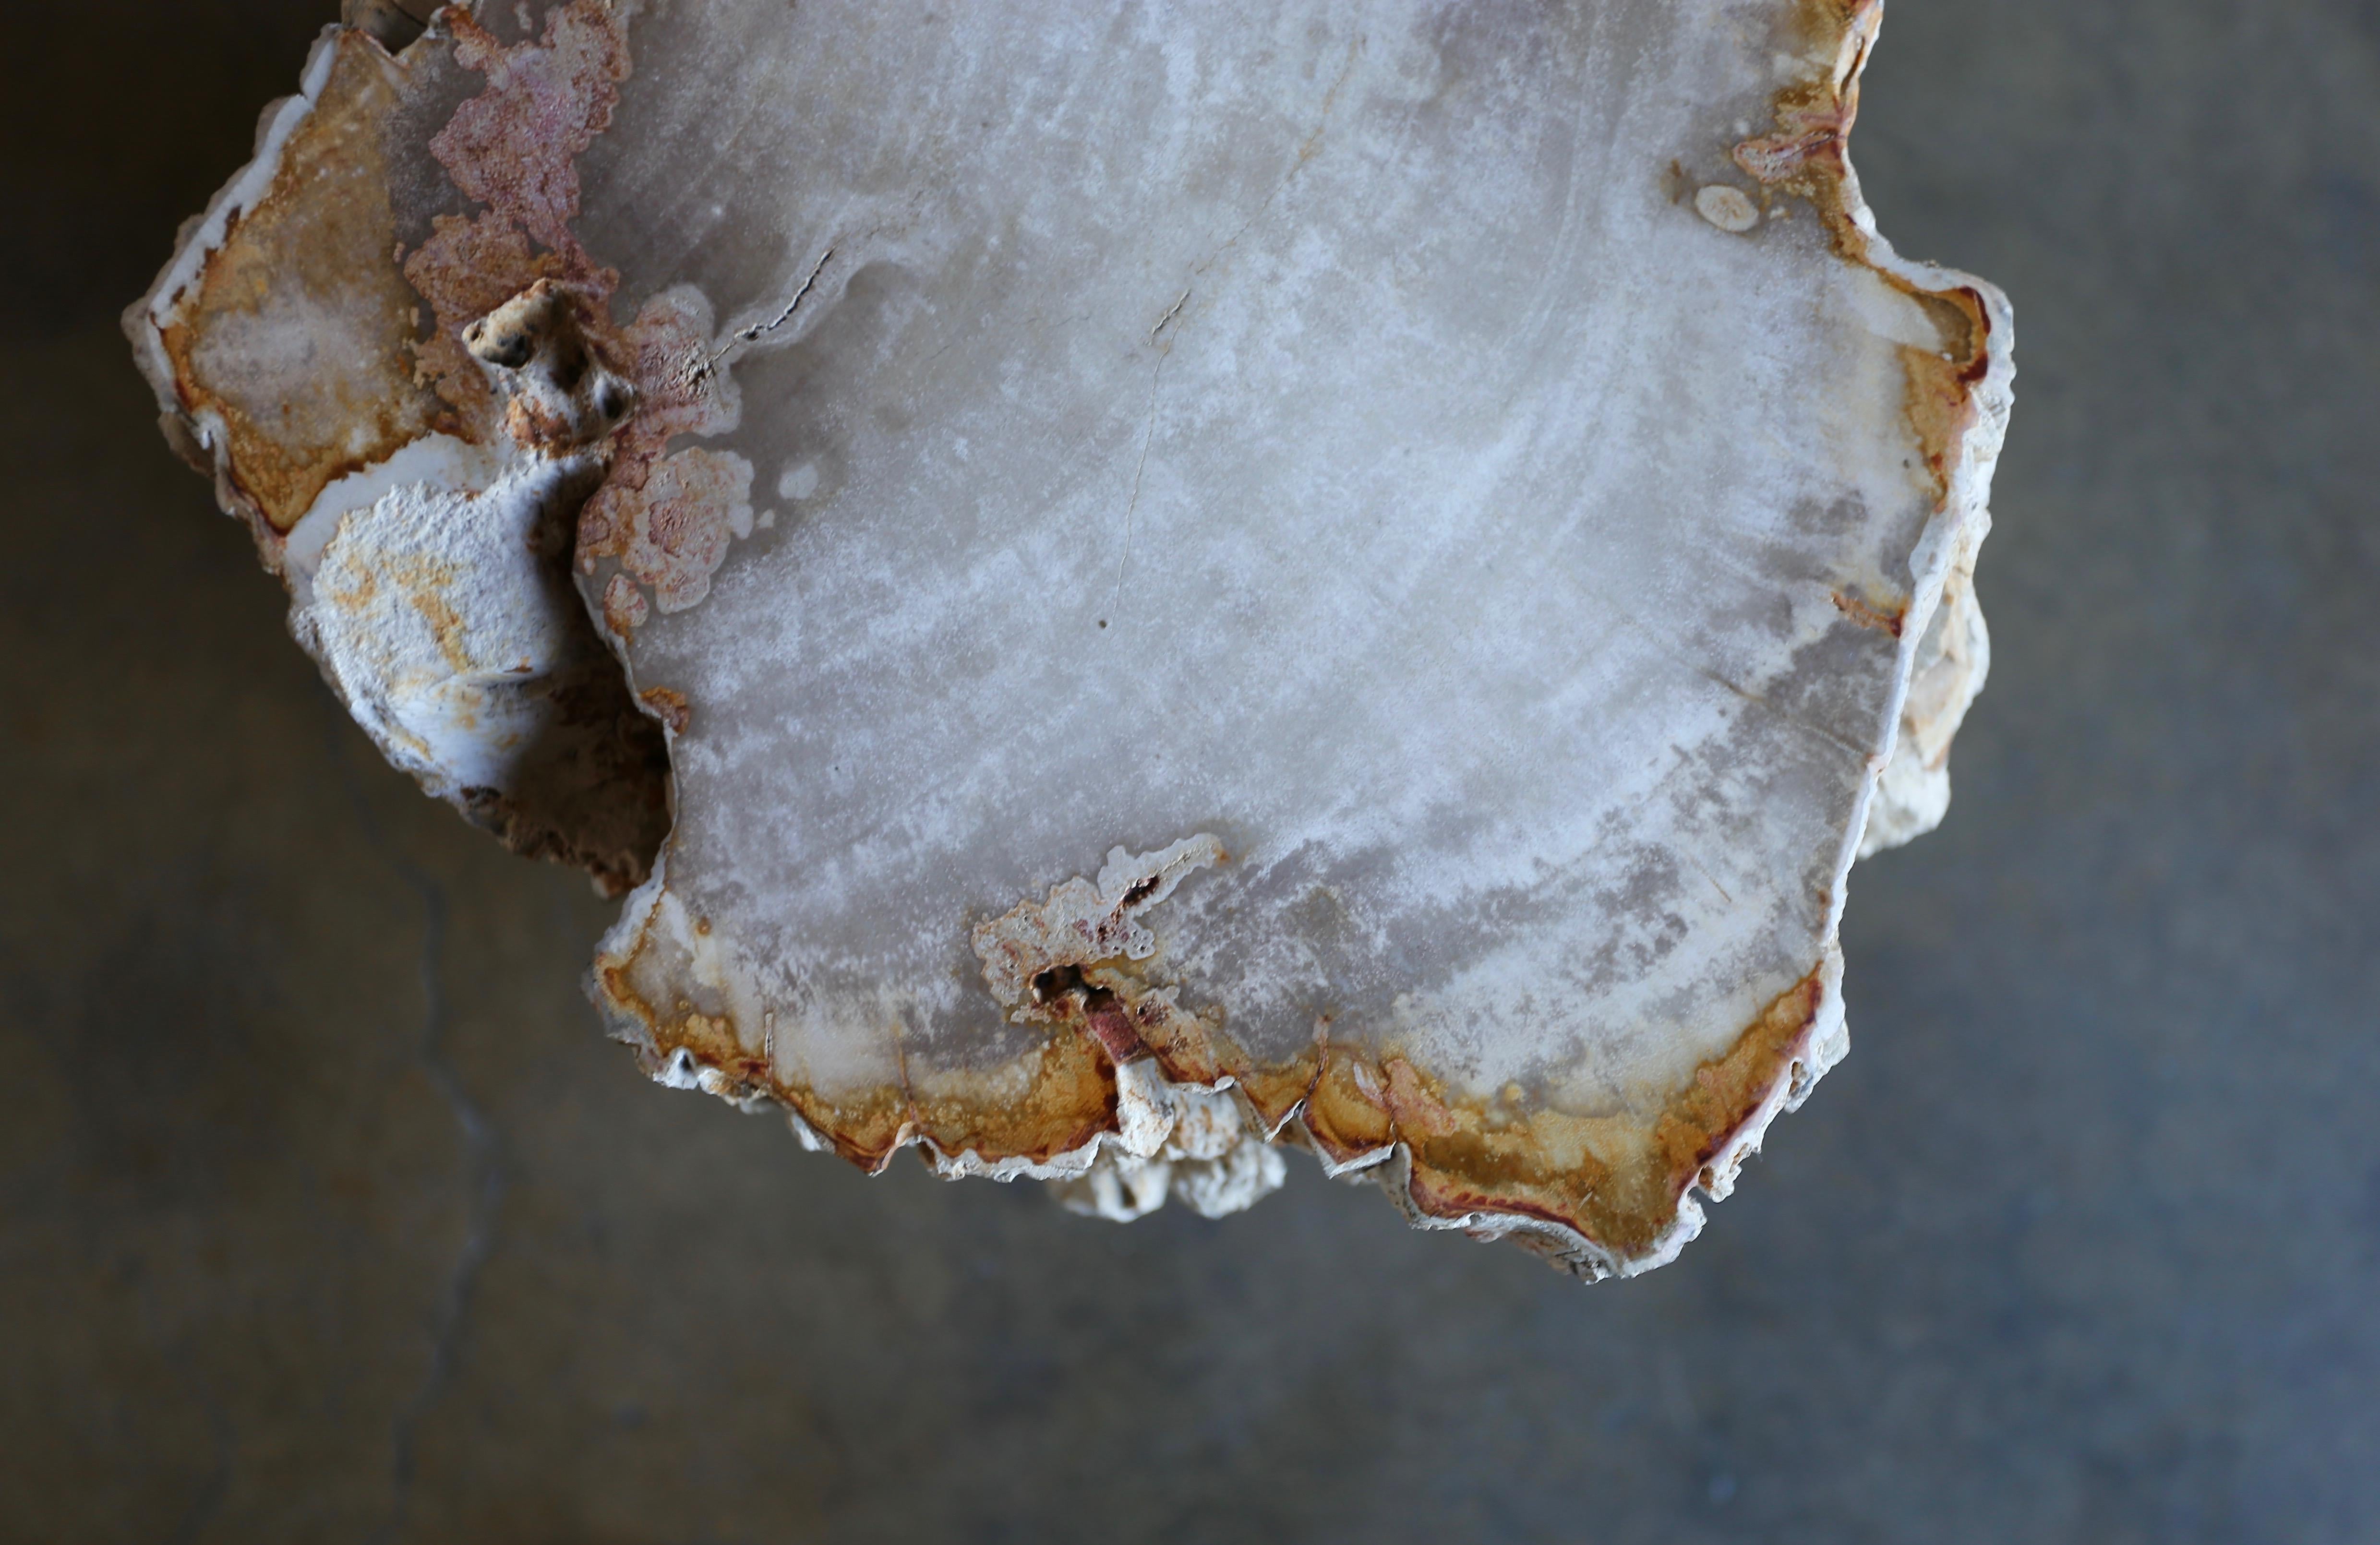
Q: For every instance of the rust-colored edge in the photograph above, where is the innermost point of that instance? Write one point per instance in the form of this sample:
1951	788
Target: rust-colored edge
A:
669	705
1627	1210
1458	1161
1070	1101
333	130
1807	154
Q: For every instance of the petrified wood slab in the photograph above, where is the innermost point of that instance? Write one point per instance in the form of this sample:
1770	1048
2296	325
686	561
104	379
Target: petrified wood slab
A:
1173	576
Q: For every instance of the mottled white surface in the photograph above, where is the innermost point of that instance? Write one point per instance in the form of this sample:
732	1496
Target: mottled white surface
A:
1336	428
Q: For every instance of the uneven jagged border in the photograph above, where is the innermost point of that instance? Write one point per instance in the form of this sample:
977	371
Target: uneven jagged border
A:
286	342
1957	404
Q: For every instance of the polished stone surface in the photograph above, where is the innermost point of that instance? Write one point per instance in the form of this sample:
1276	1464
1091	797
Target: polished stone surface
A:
326	1213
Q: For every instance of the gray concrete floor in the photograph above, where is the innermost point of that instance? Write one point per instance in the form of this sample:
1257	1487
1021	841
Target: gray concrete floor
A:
326	1213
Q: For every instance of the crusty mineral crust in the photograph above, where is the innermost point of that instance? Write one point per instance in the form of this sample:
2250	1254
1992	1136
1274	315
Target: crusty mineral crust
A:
414	220
285	344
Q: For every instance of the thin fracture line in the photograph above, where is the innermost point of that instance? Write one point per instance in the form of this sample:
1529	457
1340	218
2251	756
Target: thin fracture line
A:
752	332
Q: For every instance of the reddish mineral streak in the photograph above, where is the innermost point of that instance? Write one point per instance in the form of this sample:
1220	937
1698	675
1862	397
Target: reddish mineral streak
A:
1808	155
668	706
1883	619
514	149
625	608
670	527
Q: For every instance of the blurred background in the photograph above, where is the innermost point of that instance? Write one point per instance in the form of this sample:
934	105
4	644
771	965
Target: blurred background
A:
326	1212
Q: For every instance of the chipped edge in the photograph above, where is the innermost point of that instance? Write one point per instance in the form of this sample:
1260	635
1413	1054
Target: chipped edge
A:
202	438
